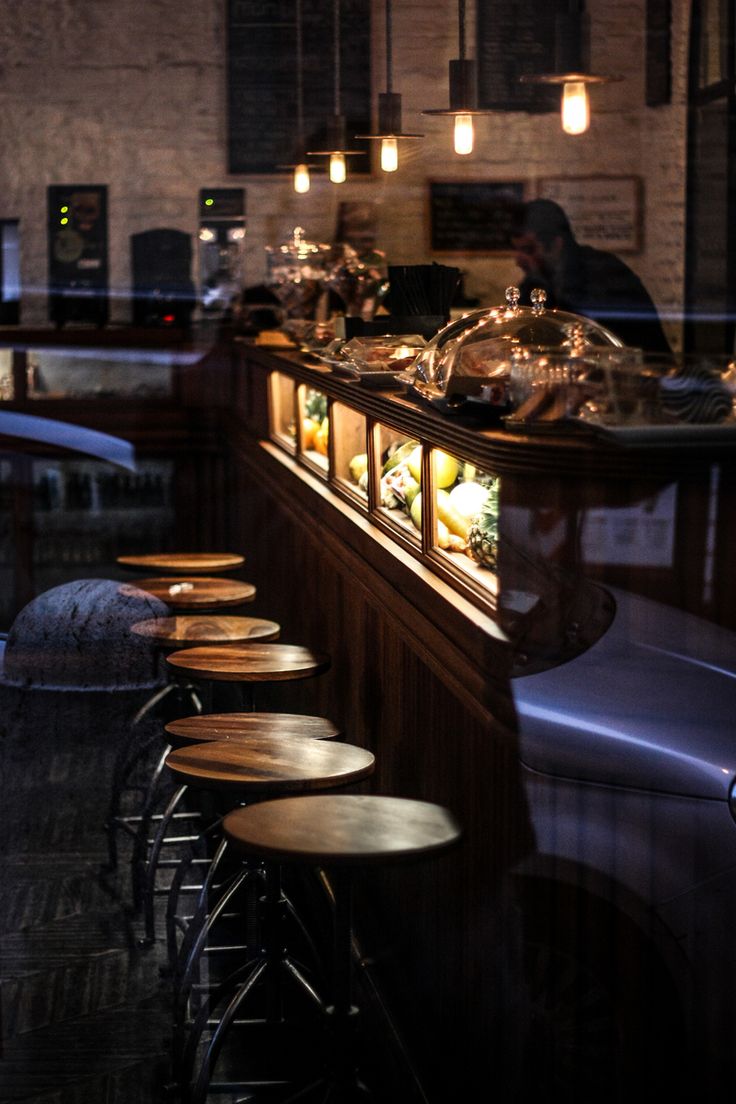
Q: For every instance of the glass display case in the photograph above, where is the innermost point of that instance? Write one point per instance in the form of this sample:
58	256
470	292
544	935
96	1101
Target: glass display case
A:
282	397
399	471
350	452
313	428
465	519
80	373
6	374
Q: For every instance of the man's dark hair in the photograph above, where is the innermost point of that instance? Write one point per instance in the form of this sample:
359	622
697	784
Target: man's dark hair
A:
547	220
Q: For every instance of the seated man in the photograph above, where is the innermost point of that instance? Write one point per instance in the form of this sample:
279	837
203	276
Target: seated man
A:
584	280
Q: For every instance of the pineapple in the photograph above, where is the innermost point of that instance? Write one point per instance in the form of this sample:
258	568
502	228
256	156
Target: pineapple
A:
483	535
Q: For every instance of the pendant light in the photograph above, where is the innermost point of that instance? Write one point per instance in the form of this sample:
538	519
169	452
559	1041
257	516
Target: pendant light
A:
336	142
463	93
389	111
572	49
301	178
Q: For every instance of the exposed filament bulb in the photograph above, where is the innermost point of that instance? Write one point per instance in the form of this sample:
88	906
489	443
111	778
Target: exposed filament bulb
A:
464	136
389	154
302	182
575	107
337	168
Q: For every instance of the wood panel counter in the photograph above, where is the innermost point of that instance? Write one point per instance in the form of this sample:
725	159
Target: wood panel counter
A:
425	643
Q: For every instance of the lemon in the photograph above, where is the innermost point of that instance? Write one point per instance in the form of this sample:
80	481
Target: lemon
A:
414	463
445	468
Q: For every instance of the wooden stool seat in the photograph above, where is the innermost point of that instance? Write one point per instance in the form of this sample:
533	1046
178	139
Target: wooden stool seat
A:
250	662
173	632
184	563
238	728
199	592
269	763
341	829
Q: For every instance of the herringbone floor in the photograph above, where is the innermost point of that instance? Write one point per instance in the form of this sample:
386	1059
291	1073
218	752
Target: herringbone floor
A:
84	1011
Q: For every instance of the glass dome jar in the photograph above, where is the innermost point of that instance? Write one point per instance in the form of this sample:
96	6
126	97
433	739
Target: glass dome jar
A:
472	357
296	270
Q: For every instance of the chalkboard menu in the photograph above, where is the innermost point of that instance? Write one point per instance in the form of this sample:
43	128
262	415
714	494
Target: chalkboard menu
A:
473	216
517	38
262	79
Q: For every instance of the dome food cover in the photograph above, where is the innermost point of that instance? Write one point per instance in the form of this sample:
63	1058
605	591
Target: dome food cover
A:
77	637
471	357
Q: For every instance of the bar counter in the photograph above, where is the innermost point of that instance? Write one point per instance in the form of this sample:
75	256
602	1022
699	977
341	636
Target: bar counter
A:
429	658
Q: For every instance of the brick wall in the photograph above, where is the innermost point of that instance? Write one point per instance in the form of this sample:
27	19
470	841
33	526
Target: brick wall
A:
131	93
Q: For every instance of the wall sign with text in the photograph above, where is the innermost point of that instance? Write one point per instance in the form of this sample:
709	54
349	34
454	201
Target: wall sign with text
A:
262	80
604	211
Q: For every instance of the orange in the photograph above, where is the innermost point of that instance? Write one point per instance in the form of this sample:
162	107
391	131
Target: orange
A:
309	431
320	438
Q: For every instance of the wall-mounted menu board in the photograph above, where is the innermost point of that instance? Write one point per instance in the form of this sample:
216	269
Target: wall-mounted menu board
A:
262	80
473	216
516	38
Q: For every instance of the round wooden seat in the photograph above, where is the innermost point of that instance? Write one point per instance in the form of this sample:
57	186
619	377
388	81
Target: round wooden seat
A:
341	829
250	663
199	592
183	563
238	728
270	764
173	632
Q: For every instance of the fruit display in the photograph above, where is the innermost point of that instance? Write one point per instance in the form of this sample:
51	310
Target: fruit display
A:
466	499
315	423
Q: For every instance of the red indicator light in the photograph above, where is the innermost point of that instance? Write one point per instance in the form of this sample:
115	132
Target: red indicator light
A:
169	317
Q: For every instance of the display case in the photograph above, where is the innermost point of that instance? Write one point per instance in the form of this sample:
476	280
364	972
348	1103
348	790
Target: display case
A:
282	400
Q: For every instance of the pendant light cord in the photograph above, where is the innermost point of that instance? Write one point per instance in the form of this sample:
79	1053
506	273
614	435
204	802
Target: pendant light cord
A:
336	46
299	78
389	47
461	27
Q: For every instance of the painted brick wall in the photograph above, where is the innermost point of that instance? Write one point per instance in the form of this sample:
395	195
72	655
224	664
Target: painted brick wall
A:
131	93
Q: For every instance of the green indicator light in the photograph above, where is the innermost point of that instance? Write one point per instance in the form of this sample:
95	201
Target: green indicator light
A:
64	221
209	202
63	210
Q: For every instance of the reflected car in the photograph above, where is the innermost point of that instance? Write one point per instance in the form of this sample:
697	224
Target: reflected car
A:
629	900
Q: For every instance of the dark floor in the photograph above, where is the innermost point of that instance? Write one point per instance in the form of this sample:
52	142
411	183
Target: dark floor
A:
85	1009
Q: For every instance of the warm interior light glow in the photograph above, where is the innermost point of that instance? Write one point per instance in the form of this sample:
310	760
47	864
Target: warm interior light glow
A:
389	154
464	134
301	179
575	107
337	168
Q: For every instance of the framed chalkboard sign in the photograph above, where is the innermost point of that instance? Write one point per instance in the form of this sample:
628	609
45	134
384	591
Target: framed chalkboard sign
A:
473	216
517	38
262	80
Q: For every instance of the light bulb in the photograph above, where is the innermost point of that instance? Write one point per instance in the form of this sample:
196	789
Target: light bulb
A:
464	134
575	107
301	179
337	168
389	154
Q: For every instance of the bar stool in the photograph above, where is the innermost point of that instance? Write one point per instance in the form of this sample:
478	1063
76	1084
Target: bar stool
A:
168	634
195	592
237	729
249	772
247	666
342	832
183	563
